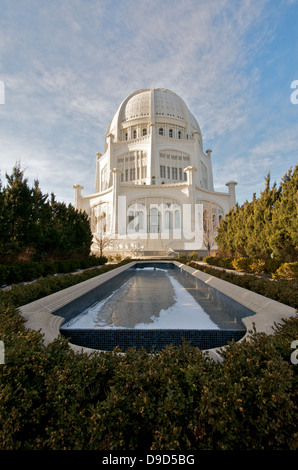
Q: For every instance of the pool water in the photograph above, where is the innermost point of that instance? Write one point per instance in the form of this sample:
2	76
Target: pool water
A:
160	298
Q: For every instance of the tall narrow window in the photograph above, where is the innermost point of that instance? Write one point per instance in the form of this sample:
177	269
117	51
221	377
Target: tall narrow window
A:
144	131
160	131
177	219
171	133
144	171
154	221
162	171
179	134
132	174
134	134
168	220
141	220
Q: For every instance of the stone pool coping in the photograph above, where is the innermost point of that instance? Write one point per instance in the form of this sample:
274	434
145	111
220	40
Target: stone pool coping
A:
39	314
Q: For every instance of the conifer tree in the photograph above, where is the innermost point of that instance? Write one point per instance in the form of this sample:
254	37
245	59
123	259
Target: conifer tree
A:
283	237
265	227
32	227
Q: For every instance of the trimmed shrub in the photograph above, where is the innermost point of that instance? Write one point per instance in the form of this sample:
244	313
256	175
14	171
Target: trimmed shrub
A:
287	271
272	265
194	256
221	262
281	290
257	266
25	272
182	258
242	264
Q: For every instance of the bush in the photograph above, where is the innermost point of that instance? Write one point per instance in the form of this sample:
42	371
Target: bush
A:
287	271
3	274
20	294
251	265
272	264
182	258
24	272
281	290
217	261
242	264
52	398
257	266
194	256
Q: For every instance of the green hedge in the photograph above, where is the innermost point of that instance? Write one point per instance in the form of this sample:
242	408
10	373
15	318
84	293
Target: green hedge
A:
25	272
20	294
221	262
178	399
250	265
282	290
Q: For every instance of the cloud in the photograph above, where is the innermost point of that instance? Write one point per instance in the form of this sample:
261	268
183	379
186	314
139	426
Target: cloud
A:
67	66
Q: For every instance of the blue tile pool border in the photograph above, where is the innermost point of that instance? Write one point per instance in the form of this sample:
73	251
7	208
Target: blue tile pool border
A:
108	339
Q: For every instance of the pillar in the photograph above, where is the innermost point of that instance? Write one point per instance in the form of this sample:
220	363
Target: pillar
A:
231	185
115	173
78	188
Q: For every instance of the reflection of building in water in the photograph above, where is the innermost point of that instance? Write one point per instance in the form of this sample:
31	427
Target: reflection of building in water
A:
153	178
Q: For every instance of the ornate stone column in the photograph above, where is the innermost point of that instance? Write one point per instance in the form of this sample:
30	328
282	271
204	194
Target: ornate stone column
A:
77	203
115	172
190	170
231	185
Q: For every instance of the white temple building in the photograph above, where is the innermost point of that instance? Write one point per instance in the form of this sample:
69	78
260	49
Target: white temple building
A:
154	192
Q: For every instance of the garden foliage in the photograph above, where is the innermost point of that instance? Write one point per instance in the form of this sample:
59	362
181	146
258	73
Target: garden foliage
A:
267	226
177	399
283	290
29	271
34	228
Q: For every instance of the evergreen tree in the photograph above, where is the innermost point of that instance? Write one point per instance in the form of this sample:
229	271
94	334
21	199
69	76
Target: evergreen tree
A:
32	227
265	227
283	237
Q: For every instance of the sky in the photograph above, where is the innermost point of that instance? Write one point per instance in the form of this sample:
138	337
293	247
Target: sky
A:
66	66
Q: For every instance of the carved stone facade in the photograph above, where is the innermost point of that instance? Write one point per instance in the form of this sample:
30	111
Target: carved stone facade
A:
154	180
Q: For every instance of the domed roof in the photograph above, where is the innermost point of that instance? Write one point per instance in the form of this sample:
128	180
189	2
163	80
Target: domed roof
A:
153	104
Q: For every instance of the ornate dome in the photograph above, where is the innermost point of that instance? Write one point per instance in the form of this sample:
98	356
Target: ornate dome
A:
153	105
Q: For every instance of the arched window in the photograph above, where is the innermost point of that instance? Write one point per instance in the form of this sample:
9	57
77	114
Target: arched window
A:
126	136
179	134
171	133
154	220
177	219
144	131
141	221
134	134
160	131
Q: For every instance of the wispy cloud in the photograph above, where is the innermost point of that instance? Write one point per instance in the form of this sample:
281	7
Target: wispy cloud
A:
68	65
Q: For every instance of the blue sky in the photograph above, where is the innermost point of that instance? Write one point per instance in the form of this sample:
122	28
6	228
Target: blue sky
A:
67	65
